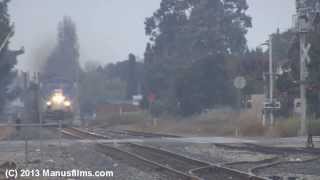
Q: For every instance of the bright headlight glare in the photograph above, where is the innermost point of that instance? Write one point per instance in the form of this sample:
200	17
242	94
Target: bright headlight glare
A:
67	103
58	98
48	103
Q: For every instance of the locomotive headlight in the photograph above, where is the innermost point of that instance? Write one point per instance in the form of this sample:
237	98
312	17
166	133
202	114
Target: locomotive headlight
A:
67	103
58	98
48	103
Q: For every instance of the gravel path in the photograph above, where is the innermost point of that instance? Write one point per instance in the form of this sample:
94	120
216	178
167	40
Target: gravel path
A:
33	133
310	170
212	153
73	156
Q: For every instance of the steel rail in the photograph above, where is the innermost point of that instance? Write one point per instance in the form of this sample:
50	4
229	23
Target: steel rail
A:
194	173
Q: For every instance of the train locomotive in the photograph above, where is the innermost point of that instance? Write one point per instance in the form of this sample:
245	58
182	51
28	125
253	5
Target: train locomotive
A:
59	99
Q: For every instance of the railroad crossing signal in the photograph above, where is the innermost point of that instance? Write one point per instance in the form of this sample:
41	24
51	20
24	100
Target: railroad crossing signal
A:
151	98
305	53
308	17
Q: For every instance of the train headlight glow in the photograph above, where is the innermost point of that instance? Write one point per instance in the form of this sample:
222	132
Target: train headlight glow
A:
48	103
58	98
67	103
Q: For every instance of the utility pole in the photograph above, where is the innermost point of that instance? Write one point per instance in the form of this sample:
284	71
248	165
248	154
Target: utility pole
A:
271	80
38	111
305	23
303	72
307	19
271	104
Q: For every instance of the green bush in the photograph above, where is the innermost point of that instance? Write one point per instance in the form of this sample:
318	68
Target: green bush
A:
288	128
314	127
158	108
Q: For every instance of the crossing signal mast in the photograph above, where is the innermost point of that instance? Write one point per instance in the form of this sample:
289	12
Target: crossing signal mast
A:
307	18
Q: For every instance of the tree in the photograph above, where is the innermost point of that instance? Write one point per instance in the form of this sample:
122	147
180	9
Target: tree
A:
8	58
184	32
106	88
132	85
252	65
163	29
64	60
130	71
204	85
112	83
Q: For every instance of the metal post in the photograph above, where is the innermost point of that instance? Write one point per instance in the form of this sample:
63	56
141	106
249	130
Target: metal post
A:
150	111
238	130
26	149
303	85
271	76
40	138
265	92
39	118
60	144
60	134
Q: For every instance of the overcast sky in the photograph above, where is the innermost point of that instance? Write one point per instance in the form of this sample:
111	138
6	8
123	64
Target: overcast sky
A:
110	29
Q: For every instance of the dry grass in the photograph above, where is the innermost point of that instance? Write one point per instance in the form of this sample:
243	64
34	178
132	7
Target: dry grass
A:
211	123
6	132
130	119
286	128
290	127
250	125
222	122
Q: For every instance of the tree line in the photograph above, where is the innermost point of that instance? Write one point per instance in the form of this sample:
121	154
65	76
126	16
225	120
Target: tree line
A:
195	50
8	57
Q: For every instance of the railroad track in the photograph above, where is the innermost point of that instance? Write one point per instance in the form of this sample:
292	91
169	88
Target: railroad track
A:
174	165
137	134
81	134
281	166
194	168
112	134
143	163
271	150
246	166
148	134
290	167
